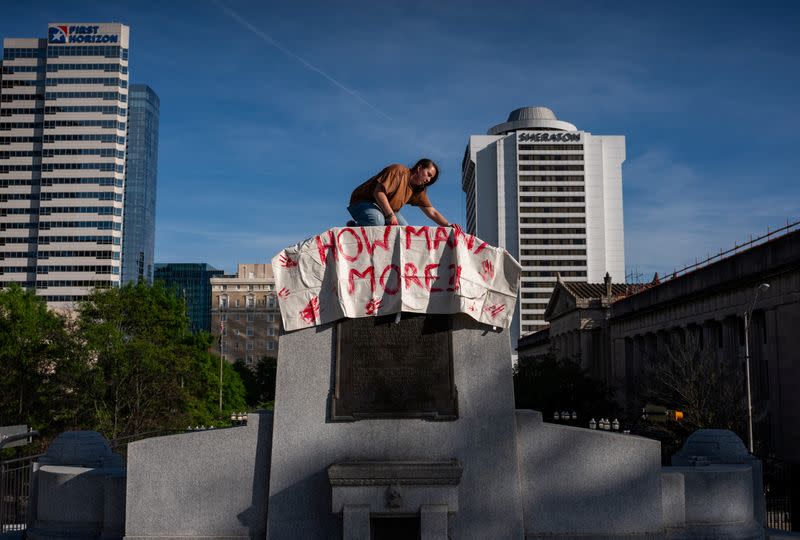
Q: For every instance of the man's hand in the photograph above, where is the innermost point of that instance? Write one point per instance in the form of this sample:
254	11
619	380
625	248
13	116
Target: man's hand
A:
393	220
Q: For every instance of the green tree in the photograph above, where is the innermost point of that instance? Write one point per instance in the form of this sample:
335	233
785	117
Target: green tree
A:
259	383
153	373
45	377
549	384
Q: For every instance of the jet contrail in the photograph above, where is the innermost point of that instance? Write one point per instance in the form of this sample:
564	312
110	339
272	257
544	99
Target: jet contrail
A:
244	22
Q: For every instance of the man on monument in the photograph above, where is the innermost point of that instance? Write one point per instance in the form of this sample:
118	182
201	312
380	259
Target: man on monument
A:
377	201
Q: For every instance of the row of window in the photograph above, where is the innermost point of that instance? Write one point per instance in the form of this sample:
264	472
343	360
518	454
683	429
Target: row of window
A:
107	167
102	152
101	284
108	68
534	305
551	167
553	220
102	195
555	262
10	70
20	110
47	210
108	240
27	52
97	269
552	209
551	157
56	51
552	241
91	253
550	147
117	182
12	83
8	98
20	153
107	96
250	302
7	126
62	297
550	178
249	332
105	81
539	295
551	189
17	270
561	199
223	317
527	230
85	109
49	124
17	255
553	252
102	225
20	139
108	138
550	273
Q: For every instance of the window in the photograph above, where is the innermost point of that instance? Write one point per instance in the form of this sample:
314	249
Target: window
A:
250	359
271	346
251	301
270	317
251	317
249	345
271	302
249	330
236	333
238	317
237	300
270	331
223	302
223	317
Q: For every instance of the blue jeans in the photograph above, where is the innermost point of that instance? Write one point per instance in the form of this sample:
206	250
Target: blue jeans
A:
369	214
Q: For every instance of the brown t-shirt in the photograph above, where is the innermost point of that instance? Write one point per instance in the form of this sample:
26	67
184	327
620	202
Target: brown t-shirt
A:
395	180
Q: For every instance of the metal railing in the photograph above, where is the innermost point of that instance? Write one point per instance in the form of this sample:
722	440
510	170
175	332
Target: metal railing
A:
781	495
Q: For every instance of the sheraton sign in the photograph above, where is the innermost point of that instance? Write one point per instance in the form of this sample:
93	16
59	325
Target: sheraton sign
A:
550	137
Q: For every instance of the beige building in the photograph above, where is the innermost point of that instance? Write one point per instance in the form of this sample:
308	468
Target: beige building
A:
244	309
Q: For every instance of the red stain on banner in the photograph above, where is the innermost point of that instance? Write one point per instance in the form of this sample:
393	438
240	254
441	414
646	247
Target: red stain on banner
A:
494	310
310	313
373	306
487	270
283	293
287	262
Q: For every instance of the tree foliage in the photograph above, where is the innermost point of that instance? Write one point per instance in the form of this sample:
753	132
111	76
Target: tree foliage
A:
549	384
44	378
259	383
125	364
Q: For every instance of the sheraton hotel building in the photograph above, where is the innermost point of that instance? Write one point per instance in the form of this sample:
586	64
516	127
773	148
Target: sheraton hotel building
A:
77	163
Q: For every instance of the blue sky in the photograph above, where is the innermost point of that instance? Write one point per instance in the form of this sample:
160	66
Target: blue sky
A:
271	113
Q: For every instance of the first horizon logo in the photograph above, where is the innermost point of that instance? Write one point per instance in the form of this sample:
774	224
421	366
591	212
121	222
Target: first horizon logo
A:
79	34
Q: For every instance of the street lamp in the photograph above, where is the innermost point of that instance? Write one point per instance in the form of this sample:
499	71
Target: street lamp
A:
747	316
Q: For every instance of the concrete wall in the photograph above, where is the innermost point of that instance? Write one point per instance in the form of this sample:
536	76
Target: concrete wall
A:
205	484
577	481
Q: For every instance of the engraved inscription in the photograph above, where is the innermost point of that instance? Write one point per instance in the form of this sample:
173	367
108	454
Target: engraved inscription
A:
388	370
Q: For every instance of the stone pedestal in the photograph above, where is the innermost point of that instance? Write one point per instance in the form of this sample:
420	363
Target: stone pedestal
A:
485	503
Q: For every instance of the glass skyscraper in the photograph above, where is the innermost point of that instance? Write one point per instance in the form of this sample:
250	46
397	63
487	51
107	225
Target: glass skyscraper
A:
193	283
138	242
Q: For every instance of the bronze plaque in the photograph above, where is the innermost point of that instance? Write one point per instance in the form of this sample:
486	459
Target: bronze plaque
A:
386	369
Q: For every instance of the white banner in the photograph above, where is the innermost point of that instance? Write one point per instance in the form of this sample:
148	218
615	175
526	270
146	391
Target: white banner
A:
370	271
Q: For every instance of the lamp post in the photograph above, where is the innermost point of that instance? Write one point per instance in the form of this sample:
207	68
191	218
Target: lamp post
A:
747	315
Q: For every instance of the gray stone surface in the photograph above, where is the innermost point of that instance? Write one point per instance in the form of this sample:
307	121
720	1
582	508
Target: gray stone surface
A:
433	522
355	522
482	439
72	486
578	481
201	484
673	499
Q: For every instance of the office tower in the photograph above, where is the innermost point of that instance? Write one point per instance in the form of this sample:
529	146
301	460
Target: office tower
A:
245	315
192	282
138	238
551	195
63	125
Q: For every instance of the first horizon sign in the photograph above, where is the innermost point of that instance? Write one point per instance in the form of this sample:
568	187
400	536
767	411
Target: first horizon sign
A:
79	33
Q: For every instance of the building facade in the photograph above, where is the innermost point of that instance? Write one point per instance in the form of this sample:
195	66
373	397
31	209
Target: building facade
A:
139	229
245	315
192	282
551	195
63	129
614	335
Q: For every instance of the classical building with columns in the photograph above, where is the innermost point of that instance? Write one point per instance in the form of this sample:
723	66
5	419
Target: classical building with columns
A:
613	329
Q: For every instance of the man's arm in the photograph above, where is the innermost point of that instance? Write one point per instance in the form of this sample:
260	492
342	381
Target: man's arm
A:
434	214
379	193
